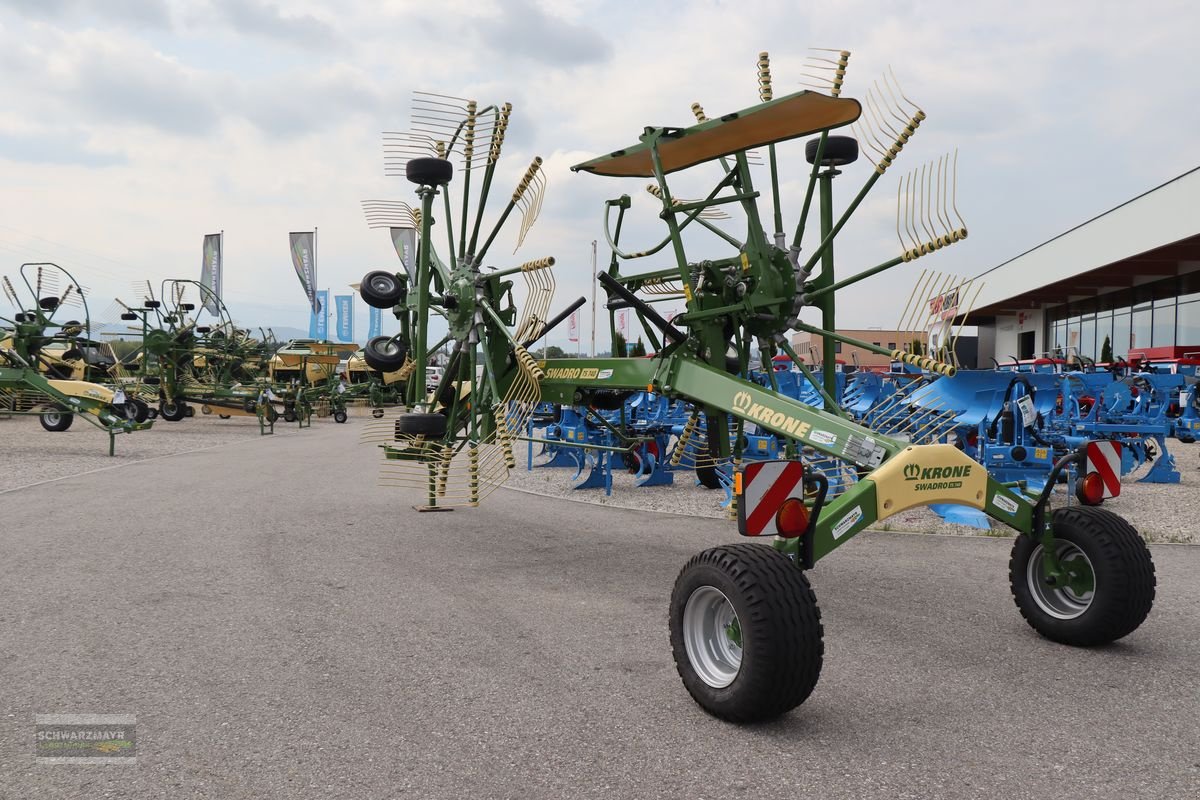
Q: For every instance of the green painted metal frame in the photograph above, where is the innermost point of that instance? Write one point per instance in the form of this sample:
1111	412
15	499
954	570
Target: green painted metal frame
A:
22	374
756	293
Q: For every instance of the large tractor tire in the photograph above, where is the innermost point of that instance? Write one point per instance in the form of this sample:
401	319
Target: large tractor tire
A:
746	632
429	171
172	411
431	425
708	477
385	354
380	289
56	419
1110	585
839	151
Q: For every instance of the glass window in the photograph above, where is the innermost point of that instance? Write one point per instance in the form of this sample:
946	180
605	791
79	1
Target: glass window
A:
837	347
1139	338
1121	331
891	345
1104	330
1189	287
1071	339
1163	334
1087	337
1188	327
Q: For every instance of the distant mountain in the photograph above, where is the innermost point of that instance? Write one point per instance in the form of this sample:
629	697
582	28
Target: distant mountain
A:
284	332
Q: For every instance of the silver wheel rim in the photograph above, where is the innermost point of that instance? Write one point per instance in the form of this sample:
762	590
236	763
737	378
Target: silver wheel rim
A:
52	418
1060	602
708	622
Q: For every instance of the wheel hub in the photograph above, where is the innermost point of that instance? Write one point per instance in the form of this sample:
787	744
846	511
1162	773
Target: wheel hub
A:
712	635
1066	596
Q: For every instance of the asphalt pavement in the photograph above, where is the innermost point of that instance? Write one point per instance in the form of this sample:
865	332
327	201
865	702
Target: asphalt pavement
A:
280	626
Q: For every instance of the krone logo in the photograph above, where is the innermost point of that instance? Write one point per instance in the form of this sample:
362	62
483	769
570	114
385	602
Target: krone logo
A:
742	401
915	472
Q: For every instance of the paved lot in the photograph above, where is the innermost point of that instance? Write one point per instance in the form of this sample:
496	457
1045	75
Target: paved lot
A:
283	628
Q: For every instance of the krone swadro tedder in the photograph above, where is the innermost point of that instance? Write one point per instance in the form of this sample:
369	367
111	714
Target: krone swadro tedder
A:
745	627
40	348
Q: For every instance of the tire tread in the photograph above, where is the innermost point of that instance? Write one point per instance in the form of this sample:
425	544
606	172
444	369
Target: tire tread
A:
783	633
1123	556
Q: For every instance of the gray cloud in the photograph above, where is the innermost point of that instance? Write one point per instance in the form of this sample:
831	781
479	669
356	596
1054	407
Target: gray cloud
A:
524	30
57	147
301	102
152	91
147	13
107	80
100	79
265	19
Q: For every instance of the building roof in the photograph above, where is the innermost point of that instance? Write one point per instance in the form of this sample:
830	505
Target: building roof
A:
1140	241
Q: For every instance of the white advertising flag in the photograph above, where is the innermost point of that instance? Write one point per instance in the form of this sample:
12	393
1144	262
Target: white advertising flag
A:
573	326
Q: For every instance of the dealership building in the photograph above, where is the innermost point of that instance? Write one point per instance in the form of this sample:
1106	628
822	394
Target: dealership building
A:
1130	276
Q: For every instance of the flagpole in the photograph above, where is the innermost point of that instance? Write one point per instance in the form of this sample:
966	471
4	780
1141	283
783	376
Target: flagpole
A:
316	283
593	298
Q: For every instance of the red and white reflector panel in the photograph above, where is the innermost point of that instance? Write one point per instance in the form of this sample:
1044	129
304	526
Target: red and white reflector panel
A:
1104	458
772	501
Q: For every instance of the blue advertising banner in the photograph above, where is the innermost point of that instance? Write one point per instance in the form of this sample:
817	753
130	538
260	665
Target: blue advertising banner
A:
345	317
375	324
318	327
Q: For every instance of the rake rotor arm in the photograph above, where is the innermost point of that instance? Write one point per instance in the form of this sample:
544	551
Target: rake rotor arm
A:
850	209
693	210
673	334
808	196
853	279
924	362
554	322
807	373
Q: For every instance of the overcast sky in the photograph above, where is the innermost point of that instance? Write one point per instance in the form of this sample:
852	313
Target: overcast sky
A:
131	128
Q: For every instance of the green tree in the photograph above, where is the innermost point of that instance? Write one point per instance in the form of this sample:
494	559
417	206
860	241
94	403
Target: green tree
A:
1106	353
553	351
638	349
618	345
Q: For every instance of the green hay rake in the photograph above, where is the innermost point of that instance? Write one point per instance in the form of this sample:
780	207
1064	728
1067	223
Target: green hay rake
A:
745	626
35	329
182	363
